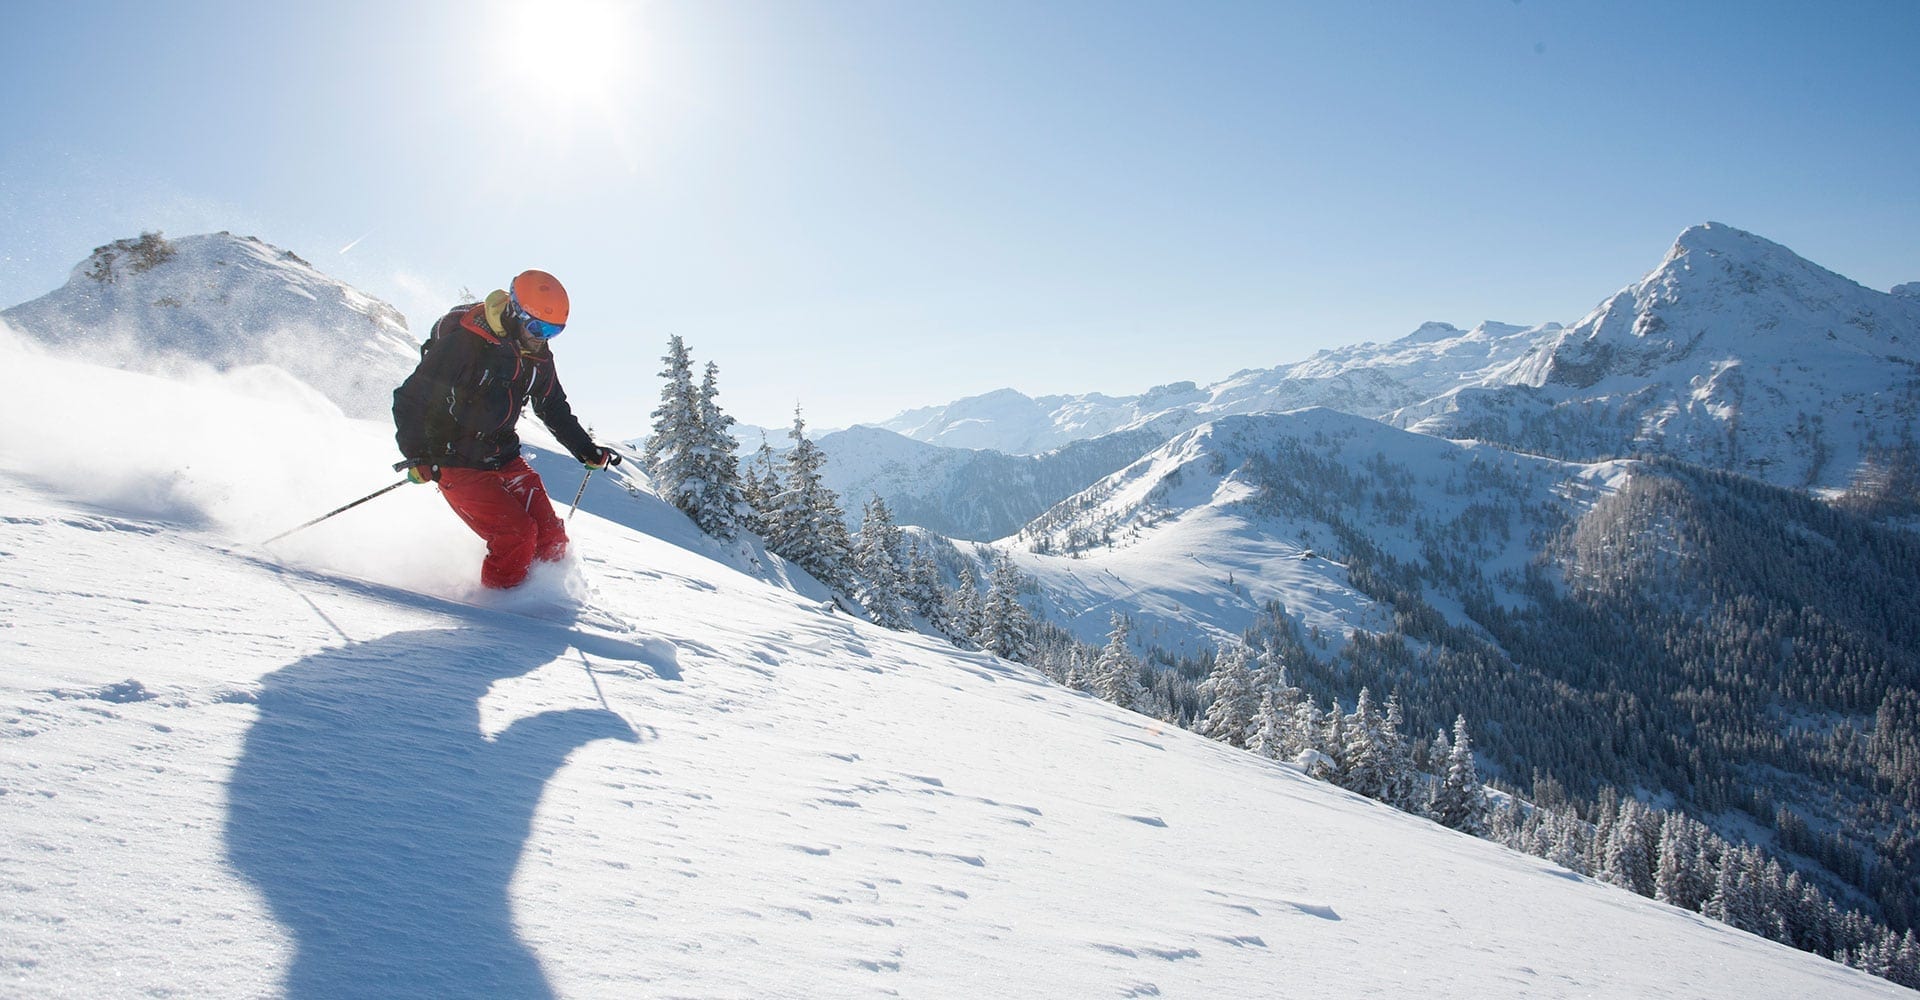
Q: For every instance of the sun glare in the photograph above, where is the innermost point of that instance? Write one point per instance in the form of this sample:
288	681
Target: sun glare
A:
578	54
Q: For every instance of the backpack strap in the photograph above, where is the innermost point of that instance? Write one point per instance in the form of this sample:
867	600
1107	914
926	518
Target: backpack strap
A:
475	320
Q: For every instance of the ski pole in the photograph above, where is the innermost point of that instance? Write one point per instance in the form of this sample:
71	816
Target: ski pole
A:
577	496
337	510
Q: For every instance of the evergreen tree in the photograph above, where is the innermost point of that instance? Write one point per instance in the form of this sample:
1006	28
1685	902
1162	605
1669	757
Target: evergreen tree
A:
963	608
1439	750
1303	733
761	486
1117	674
877	559
1366	767
1332	741
1626	861
1678	879
716	459
691	453
1006	629
669	453
1459	800
1270	727
1567	841
924	591
809	527
1229	717
1736	890
1079	675
1397	790
1280	705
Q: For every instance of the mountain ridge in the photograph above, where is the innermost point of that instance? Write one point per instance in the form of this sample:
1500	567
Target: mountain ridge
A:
1369	379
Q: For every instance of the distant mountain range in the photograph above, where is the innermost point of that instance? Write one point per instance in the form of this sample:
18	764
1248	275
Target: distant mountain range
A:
1368	379
1734	353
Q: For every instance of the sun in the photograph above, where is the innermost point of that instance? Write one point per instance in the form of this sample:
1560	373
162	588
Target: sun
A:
571	55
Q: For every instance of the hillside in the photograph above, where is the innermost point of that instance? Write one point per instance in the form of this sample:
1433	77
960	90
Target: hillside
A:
225	301
229	772
1742	652
1182	539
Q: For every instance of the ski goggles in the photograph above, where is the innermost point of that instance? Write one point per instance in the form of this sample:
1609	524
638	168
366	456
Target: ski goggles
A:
539	328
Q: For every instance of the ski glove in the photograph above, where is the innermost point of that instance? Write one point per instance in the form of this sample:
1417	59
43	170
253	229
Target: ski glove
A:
419	472
601	459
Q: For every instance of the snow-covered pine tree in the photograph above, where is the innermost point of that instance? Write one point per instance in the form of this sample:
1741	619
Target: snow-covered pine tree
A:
963	608
1566	836
1459	801
1303	730
809	527
1270	727
1332	743
1439	750
1727	895
669	453
1317	749
1626	861
1606	812
1117	672
1229	717
1679	880
924	591
876	557
1282	736
1366	765
760	486
1079	674
1732	899
721	503
1398	791
1006	629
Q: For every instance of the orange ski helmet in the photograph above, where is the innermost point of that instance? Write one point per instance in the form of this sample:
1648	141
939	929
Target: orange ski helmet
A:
539	296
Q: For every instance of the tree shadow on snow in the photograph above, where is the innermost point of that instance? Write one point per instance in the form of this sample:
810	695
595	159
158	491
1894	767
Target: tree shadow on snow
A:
383	828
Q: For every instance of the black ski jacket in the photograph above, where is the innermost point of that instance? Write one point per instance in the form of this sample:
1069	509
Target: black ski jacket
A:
459	407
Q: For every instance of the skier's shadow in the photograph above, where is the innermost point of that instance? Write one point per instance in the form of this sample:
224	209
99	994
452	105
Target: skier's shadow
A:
383	828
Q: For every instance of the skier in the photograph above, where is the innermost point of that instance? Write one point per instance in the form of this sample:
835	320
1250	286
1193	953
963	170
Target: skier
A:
455	416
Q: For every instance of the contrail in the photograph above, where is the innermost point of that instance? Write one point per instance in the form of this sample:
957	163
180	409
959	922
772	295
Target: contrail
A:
356	243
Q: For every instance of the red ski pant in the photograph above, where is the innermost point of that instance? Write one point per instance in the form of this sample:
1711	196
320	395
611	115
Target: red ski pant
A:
509	508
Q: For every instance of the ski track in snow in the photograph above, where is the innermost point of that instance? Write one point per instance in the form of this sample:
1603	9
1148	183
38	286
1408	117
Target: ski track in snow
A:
224	776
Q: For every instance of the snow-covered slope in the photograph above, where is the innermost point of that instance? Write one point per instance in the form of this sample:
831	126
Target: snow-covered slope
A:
1734	353
1191	541
1368	379
227	773
226	301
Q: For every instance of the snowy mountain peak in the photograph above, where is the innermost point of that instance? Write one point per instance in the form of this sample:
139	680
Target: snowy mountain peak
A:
1909	290
1430	331
1720	238
227	302
1723	291
1735	352
1719	263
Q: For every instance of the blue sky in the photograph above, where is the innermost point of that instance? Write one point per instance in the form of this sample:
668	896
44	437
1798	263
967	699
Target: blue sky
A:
861	206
